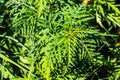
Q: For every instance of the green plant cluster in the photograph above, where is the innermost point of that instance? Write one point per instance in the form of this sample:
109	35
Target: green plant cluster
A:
60	40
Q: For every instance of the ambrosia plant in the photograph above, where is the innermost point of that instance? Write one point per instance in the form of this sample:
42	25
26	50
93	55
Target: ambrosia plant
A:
60	40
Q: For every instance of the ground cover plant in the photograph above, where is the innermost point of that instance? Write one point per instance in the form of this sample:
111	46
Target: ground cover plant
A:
59	40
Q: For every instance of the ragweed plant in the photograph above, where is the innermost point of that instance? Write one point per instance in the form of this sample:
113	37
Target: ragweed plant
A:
49	39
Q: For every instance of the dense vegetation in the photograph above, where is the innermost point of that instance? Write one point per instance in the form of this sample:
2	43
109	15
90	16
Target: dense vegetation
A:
59	40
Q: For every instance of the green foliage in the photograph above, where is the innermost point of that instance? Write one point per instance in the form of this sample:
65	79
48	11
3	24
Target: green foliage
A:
61	40
1	14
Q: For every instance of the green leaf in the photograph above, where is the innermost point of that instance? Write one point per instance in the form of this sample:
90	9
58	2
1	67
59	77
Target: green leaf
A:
9	60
